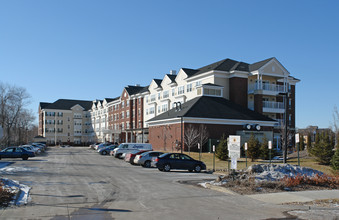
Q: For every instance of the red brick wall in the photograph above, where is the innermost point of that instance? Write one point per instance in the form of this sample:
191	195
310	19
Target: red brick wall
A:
238	90
163	137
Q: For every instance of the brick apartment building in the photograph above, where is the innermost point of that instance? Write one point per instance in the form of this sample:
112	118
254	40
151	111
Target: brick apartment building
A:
259	87
252	92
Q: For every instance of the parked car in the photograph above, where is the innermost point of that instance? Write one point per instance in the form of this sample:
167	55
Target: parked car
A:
168	161
102	145
93	145
44	146
16	152
128	147
129	155
107	150
31	148
133	155
145	159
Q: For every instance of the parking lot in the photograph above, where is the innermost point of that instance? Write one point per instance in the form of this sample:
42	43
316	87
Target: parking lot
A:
78	183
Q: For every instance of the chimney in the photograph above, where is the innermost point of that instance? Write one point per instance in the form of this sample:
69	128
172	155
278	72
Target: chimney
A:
173	72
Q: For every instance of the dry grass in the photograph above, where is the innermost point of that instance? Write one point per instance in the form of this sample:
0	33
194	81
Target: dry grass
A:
222	166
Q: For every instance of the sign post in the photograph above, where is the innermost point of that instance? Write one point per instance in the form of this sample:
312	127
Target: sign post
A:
199	151
246	152
213	158
270	147
297	142
234	150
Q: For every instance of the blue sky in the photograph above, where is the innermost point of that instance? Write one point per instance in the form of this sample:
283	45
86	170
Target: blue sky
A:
102	46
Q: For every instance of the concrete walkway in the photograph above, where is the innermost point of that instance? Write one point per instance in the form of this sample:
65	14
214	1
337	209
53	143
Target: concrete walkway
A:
302	196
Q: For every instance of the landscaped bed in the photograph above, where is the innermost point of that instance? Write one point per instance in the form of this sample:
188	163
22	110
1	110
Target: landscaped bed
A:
265	178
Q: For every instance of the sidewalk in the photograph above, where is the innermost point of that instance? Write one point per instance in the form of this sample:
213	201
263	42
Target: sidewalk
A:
302	196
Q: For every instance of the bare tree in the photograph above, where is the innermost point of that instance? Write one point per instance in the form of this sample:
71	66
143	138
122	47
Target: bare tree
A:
191	137
12	102
203	135
290	134
335	124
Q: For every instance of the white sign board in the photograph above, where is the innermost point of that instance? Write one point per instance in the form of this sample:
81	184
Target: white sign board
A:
234	154
270	145
296	138
1	132
234	163
234	146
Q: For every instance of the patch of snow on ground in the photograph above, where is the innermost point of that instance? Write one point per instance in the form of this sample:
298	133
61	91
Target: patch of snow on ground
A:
4	164
275	172
10	170
22	190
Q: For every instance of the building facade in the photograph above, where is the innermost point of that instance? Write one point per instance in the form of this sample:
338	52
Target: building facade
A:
66	122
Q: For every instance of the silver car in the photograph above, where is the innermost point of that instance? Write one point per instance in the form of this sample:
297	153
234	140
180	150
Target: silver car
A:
145	159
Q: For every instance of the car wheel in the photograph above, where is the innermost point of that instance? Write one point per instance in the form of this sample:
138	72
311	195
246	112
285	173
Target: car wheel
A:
197	168
25	157
104	152
148	164
167	167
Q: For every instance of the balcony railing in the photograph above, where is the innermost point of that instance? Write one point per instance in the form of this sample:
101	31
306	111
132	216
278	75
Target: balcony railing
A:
265	87
273	107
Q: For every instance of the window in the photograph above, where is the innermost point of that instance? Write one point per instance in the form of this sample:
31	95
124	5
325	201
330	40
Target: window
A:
122	126
165	94
173	92
189	87
127	125
181	90
139	101
146	111
122	115
159	96
123	104
151	110
127	103
197	83
127	114
139	111
212	92
164	107
152	98
158	109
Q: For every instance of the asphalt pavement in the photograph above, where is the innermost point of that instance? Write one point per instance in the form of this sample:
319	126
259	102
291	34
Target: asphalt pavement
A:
78	183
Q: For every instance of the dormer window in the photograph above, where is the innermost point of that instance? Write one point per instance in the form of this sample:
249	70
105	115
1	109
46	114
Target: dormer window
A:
210	90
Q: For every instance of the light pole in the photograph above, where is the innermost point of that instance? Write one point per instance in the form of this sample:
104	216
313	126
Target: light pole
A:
285	94
178	108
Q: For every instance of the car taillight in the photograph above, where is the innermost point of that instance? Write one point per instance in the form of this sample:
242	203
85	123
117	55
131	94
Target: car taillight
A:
140	156
157	160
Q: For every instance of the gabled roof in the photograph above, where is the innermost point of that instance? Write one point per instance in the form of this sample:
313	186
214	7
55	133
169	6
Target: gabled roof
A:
189	72
158	82
212	107
44	104
258	65
67	104
111	99
171	77
132	90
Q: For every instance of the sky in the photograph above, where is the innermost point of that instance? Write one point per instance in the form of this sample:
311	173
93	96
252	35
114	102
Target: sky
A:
87	50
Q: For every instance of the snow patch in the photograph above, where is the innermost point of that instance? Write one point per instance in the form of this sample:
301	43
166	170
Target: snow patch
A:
21	190
11	170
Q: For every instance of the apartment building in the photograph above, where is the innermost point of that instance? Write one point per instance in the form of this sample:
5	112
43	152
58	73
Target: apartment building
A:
100	120
66	121
261	87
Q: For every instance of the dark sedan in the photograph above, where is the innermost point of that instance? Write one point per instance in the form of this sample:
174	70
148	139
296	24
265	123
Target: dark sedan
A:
16	152
169	161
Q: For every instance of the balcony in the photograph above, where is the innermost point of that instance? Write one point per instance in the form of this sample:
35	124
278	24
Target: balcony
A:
273	107
265	89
